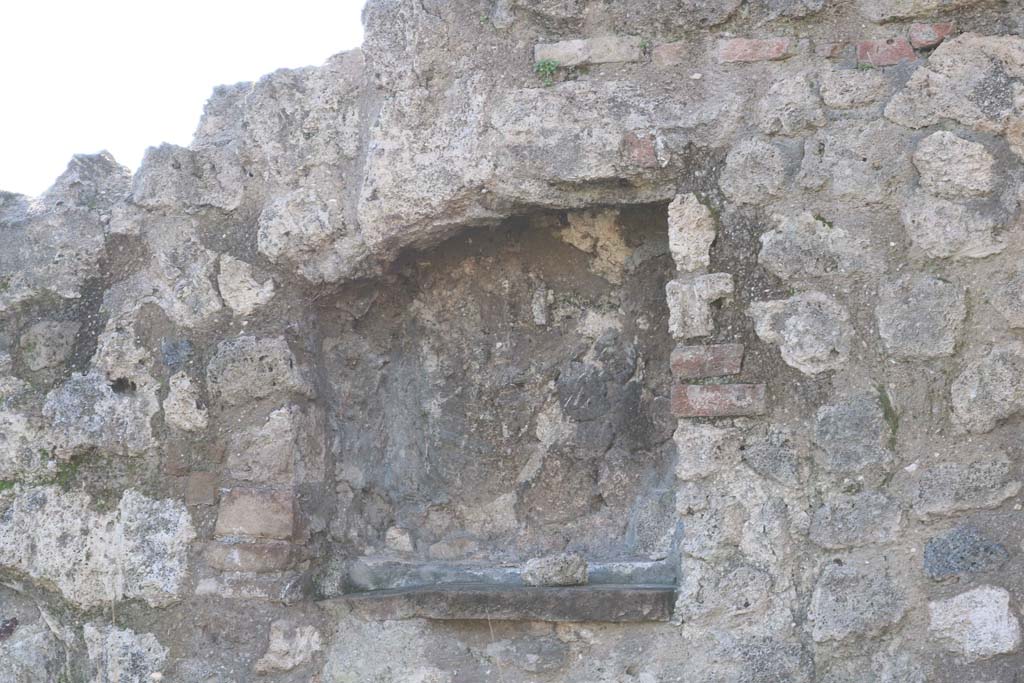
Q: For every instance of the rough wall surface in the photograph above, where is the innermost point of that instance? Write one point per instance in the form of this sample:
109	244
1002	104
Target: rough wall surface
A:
726	293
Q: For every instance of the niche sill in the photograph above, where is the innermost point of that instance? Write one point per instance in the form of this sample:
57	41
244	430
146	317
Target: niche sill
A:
615	603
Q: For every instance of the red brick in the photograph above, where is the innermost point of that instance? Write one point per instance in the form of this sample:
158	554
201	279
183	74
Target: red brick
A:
885	52
256	513
695	362
717	400
638	149
830	50
753	50
930	35
671	54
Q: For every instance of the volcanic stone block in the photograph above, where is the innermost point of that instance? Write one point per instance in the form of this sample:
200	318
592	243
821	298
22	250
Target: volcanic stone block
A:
963	550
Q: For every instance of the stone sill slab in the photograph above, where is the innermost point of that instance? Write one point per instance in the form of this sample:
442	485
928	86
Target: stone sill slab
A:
605	602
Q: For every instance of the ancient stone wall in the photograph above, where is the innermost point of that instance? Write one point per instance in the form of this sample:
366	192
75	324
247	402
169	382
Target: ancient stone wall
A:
715	307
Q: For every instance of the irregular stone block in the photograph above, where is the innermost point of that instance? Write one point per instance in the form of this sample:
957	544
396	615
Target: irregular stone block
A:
88	411
287	448
47	344
952	167
789	107
256	513
704	449
851	88
567	569
96	558
691	230
977	624
714	360
755	171
308	233
598	50
30	653
847	521
813	332
962	551
885	52
176	176
753	50
989	390
854	599
290	646
248	368
967	79
858	162
951	487
805	247
920	316
709	592
945	229
689	303
929	35
1008	299
240	291
532	654
718	400
775	456
854	432
122	655
182	408
583	391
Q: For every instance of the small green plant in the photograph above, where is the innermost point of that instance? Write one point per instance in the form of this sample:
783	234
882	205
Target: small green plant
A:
865	66
546	69
645	45
892	418
67	472
6	485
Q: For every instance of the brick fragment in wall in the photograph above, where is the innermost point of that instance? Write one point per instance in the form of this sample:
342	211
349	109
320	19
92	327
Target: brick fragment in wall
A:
256	513
250	557
643	149
886	52
714	360
599	50
929	35
718	400
753	50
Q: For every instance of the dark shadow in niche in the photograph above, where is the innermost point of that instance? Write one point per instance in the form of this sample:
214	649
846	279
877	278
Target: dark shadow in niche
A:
502	397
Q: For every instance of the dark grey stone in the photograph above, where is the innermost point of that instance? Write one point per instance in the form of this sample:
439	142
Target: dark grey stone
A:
175	352
617	357
963	550
583	391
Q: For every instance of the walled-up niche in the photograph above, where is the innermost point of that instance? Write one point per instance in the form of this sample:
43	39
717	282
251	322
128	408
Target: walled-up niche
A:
500	398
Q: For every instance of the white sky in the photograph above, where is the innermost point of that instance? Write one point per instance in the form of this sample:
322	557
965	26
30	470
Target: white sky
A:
79	76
